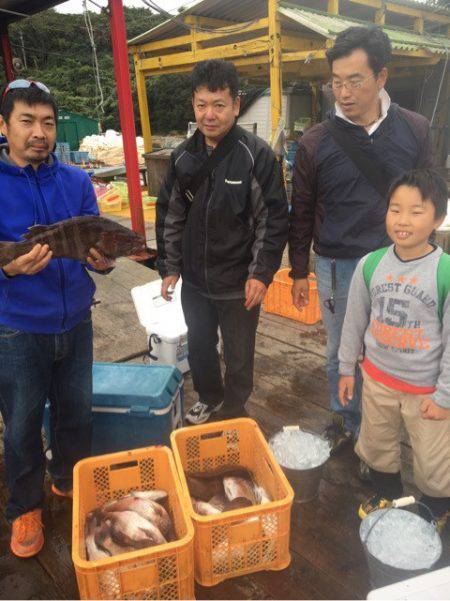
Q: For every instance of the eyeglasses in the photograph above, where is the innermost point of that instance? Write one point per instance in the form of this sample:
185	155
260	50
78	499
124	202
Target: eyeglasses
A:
22	84
353	84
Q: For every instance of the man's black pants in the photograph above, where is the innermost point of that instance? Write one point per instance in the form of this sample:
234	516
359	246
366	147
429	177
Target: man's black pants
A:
238	327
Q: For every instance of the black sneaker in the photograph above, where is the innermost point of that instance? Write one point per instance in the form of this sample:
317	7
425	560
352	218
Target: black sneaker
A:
372	504
201	412
336	434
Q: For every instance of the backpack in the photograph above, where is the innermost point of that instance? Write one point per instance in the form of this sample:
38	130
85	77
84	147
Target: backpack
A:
443	275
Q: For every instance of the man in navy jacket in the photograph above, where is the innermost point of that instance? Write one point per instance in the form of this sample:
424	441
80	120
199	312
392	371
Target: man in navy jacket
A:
45	320
334	204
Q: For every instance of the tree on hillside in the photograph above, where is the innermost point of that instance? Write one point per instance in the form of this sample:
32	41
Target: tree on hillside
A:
55	48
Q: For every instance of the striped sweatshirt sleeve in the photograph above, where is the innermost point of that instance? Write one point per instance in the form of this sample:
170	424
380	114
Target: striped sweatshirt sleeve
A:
357	317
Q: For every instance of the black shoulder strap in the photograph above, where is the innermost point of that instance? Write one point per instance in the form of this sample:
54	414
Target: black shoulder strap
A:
217	155
366	166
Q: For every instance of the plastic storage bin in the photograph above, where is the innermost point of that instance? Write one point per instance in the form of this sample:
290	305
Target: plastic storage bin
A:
241	541
132	406
161	572
279	300
135	405
110	202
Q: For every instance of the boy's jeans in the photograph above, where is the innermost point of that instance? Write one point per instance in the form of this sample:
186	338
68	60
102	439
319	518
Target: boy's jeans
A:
34	368
333	323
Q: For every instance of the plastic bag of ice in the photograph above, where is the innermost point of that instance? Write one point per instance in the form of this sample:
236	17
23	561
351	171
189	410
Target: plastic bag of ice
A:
401	539
299	450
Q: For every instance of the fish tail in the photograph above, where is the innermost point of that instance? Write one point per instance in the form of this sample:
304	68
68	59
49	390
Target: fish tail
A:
7	253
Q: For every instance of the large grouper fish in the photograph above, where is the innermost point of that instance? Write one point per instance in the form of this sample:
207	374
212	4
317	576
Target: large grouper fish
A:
73	238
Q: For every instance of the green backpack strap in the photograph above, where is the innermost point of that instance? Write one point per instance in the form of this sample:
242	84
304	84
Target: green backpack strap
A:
443	282
371	263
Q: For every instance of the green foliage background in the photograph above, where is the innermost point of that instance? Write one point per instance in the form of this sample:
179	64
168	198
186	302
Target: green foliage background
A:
56	50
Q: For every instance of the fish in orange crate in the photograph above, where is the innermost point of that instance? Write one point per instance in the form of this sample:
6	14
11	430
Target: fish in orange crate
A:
224	489
129	523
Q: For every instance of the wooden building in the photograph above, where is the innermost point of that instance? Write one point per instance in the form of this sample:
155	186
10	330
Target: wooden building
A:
277	42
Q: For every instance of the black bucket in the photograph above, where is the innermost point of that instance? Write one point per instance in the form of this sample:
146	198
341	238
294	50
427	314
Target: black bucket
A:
381	573
305	482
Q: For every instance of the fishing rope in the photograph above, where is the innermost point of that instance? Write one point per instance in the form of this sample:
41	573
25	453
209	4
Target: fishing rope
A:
89	28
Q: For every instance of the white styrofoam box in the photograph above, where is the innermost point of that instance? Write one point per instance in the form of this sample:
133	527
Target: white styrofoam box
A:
164	324
433	585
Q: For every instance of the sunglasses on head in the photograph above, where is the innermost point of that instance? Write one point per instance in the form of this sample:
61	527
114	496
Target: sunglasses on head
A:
22	84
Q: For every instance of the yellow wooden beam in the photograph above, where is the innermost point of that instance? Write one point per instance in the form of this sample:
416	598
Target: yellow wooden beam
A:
333	7
401	9
201	36
307	56
370	3
275	56
380	16
195	44
419	53
428	15
209	22
143	106
414	62
261	59
292	43
418	24
239	49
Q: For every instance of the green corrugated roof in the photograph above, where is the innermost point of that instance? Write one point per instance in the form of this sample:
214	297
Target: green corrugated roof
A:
331	25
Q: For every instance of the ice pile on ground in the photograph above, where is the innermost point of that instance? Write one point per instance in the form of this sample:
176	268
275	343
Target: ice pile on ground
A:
401	539
299	450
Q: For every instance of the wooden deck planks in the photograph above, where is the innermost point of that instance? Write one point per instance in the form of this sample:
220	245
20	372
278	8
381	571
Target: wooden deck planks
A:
290	387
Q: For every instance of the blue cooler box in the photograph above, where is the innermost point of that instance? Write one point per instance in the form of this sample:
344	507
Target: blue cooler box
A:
133	406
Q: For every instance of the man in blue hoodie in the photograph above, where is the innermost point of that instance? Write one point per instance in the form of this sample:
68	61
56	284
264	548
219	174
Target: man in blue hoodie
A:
45	320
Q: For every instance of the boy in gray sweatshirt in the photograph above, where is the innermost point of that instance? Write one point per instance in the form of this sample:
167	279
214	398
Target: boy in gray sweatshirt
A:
397	325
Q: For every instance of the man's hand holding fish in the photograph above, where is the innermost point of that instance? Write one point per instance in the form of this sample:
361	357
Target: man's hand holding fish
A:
37	259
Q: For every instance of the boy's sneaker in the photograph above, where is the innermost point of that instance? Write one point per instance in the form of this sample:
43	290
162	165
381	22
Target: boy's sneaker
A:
336	434
201	412
372	504
27	537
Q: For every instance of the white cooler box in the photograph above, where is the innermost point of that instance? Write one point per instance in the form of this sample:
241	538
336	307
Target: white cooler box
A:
164	324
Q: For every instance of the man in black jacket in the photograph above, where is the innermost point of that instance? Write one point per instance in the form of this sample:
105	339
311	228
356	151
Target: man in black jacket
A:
338	206
225	239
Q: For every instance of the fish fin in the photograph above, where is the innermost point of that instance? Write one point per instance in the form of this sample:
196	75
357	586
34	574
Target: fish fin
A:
37	229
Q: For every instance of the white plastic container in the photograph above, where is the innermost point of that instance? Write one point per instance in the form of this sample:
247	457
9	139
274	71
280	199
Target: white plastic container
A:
434	585
164	324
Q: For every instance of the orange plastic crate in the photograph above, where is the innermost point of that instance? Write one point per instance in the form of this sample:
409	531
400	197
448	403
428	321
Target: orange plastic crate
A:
279	299
161	572
241	541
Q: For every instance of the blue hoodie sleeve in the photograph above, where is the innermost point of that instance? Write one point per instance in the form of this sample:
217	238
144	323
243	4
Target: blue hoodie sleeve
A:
90	206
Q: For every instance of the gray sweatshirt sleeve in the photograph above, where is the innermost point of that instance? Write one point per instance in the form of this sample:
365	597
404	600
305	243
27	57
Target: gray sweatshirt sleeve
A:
442	394
357	319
